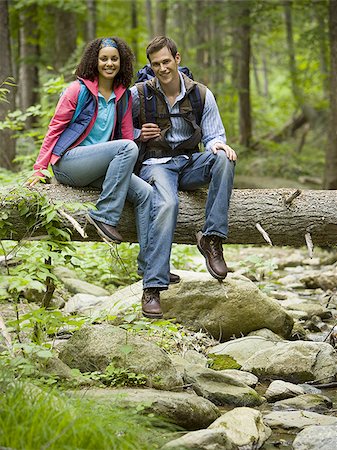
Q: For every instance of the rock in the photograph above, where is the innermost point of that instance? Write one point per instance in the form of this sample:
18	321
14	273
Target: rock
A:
322	437
297	420
244	426
305	402
297	362
221	388
94	347
240	350
234	307
266	334
77	286
111	305
186	410
325	280
243	377
202	440
281	390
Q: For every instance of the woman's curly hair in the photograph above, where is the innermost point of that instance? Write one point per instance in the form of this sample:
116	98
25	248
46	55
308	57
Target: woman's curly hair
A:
88	66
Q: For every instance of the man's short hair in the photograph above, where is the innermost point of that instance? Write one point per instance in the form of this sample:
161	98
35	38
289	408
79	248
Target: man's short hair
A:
160	42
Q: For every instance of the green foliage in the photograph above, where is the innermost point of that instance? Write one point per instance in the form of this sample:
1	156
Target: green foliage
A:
32	418
117	377
4	88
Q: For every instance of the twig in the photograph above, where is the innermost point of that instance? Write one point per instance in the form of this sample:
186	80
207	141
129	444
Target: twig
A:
6	335
74	223
289	200
309	243
264	233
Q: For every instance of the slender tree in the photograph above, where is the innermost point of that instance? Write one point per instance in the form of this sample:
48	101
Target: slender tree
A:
331	154
245	123
28	58
90	24
161	16
7	143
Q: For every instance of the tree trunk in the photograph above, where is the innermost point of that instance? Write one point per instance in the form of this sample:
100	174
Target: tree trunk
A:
308	111
161	16
245	122
29	57
7	143
65	37
288	216
331	154
134	27
90	24
149	21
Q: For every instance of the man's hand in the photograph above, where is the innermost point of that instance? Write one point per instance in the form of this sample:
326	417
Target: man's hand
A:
231	155
149	131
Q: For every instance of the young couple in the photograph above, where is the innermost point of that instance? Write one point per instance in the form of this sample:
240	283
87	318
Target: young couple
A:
90	142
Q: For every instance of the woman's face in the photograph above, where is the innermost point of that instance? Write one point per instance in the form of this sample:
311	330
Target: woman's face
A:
108	63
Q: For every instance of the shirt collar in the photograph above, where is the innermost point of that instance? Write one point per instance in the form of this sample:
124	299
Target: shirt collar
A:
182	87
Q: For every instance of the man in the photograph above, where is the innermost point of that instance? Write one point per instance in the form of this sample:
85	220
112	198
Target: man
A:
172	161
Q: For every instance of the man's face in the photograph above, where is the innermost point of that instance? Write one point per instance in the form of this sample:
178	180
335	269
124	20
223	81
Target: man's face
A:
165	66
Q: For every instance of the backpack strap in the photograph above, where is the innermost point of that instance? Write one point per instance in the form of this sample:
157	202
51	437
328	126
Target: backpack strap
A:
121	108
150	104
197	104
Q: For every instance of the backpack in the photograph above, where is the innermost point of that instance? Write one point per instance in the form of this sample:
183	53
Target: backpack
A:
197	103
146	73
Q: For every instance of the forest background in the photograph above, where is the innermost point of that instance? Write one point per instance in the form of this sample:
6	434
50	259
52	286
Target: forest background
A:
271	64
273	68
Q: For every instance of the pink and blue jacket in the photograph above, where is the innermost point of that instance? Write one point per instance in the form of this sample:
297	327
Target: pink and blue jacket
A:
62	124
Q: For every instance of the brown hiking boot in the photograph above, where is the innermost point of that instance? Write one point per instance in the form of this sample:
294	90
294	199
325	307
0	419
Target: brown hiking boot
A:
211	248
106	231
151	303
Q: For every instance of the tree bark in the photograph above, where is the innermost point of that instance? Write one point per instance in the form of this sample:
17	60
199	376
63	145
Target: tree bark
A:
286	215
161	16
330	175
134	28
90	24
245	121
29	57
7	143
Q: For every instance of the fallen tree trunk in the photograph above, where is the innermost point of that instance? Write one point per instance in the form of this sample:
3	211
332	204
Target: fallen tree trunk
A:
283	216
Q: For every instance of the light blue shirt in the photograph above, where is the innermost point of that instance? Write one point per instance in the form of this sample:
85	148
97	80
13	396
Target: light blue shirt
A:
103	126
211	124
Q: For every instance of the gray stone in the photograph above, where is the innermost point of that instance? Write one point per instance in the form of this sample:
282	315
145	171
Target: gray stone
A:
243	348
297	362
306	402
316	438
111	305
244	426
186	410
243	377
234	307
281	390
221	388
297	420
95	347
202	440
76	286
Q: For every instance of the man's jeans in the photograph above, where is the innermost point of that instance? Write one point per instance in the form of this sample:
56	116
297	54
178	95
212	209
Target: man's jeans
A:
179	173
108	166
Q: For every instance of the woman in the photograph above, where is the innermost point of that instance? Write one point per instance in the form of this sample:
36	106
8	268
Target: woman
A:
90	138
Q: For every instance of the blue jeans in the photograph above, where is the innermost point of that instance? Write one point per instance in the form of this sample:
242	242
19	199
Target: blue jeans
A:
179	173
108	166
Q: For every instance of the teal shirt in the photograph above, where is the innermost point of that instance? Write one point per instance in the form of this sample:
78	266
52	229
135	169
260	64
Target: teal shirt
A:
103	126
